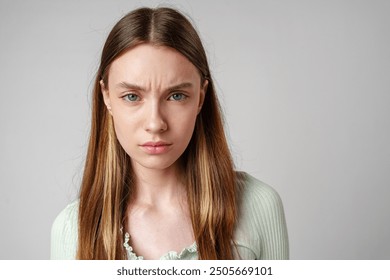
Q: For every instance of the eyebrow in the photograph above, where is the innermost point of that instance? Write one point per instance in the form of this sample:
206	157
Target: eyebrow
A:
126	85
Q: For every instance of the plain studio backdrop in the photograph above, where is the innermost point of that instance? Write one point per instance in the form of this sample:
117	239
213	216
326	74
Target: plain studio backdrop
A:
305	87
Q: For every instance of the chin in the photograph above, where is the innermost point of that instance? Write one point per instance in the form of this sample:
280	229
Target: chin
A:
155	163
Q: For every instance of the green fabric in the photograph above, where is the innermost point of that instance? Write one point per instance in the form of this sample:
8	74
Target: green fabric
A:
261	231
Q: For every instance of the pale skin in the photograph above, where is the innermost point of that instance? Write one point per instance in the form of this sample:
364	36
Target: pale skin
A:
154	95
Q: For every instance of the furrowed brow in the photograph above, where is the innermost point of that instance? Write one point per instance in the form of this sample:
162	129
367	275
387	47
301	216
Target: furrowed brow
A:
125	85
180	86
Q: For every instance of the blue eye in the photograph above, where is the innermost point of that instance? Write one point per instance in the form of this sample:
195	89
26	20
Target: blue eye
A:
177	97
131	97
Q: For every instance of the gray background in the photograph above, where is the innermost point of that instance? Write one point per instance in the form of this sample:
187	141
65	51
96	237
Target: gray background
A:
306	94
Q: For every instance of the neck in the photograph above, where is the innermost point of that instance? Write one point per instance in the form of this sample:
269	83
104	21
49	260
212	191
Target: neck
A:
155	187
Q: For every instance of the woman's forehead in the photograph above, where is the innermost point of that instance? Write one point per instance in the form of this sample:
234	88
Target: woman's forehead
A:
149	63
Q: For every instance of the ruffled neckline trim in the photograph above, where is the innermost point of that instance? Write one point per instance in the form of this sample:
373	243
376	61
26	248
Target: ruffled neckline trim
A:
171	255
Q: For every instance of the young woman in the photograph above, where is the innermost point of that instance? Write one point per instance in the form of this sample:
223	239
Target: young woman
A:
159	181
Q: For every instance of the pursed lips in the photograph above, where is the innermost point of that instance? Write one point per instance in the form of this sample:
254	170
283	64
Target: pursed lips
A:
158	147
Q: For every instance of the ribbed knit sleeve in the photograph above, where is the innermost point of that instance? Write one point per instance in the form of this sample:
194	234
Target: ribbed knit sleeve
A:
64	234
261	232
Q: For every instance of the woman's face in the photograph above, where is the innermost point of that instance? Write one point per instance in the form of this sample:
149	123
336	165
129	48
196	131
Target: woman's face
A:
154	95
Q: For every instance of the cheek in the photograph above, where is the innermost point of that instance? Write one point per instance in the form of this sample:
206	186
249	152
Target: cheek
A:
125	128
183	127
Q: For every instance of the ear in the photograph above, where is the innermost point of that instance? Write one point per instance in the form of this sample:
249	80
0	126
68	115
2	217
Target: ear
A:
203	91
106	96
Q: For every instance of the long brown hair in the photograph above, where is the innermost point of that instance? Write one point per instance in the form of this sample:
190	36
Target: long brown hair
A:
107	183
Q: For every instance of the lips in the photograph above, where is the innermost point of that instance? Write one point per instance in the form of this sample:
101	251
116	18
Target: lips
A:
155	147
155	144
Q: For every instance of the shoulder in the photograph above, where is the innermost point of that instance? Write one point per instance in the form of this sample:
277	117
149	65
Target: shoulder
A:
261	230
68	214
257	194
64	233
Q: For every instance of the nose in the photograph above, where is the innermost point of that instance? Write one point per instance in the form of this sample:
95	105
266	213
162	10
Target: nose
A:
154	119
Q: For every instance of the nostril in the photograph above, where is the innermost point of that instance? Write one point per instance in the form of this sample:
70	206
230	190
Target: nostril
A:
156	125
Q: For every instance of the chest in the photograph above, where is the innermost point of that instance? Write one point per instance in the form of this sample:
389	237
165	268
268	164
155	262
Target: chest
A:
154	233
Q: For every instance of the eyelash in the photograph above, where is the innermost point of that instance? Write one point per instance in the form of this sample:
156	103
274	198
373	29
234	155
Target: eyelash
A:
183	96
170	98
130	94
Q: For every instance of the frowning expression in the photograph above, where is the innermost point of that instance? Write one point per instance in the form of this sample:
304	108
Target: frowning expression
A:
154	95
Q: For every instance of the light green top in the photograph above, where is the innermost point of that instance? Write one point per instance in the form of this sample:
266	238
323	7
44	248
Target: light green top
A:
260	233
